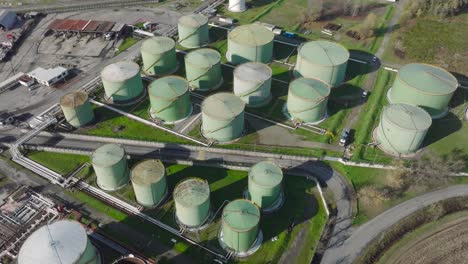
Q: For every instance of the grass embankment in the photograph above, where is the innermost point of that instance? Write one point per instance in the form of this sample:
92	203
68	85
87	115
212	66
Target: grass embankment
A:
126	43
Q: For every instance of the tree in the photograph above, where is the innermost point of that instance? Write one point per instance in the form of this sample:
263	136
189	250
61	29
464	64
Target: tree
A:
367	28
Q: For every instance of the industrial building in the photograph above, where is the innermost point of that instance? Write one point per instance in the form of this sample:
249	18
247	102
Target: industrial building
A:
48	77
307	100
110	165
193	31
264	188
122	82
203	69
250	42
159	56
240	231
170	99
323	60
8	19
252	83
77	109
402	129
424	85
222	117
237	6
149	182
85	26
63	241
192	202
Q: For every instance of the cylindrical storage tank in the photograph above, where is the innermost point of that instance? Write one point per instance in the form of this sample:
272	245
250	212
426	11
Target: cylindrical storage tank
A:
63	241
307	100
424	85
193	31
110	165
122	81
159	56
222	117
76	108
203	69
149	182
170	99
265	180
130	260
323	60
402	128
250	42
237	6
252	83
192	202
240	225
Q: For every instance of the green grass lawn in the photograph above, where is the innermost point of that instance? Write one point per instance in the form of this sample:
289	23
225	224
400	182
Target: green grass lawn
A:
257	9
127	43
59	162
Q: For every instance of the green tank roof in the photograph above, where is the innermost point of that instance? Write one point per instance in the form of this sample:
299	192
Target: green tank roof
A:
157	45
108	155
407	117
241	215
168	87
192	192
148	172
251	35
428	78
203	58
266	174
193	20
310	89
120	71
324	53
253	72
223	106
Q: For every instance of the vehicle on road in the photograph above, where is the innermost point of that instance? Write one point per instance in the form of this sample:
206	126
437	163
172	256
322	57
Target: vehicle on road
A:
344	137
6	119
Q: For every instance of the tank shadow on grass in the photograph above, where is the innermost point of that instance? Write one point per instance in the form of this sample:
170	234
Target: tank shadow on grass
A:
442	128
355	69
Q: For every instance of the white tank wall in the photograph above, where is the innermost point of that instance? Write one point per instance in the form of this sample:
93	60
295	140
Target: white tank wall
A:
237	5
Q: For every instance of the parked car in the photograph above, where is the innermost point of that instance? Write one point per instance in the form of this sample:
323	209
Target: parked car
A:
6	119
344	137
365	94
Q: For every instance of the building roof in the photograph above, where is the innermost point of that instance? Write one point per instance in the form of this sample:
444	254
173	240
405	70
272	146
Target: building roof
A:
407	117
7	19
192	192
223	106
63	241
157	45
241	215
428	78
266	174
324	53
168	87
203	58
251	35
310	89
108	155
47	74
148	172
253	72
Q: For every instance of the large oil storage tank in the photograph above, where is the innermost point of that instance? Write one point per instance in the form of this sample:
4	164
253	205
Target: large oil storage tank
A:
264	186
192	202
63	241
402	128
110	165
307	100
203	69
149	182
170	99
76	108
193	31
252	83
122	81
240	222
159	56
323	60
427	86
222	117
250	42
237	6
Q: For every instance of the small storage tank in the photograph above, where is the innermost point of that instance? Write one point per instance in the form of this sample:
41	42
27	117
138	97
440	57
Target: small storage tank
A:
170	99
265	180
193	31
222	117
192	202
130	259
402	128
63	241
149	182
237	6
323	60
76	108
252	83
250	42
110	165
240	225
424	85
122	81
307	100
159	56
203	69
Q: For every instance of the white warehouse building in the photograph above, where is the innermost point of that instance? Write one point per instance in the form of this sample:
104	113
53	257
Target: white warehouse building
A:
48	76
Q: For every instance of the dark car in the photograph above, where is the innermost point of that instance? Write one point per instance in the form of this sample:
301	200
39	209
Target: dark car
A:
344	137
